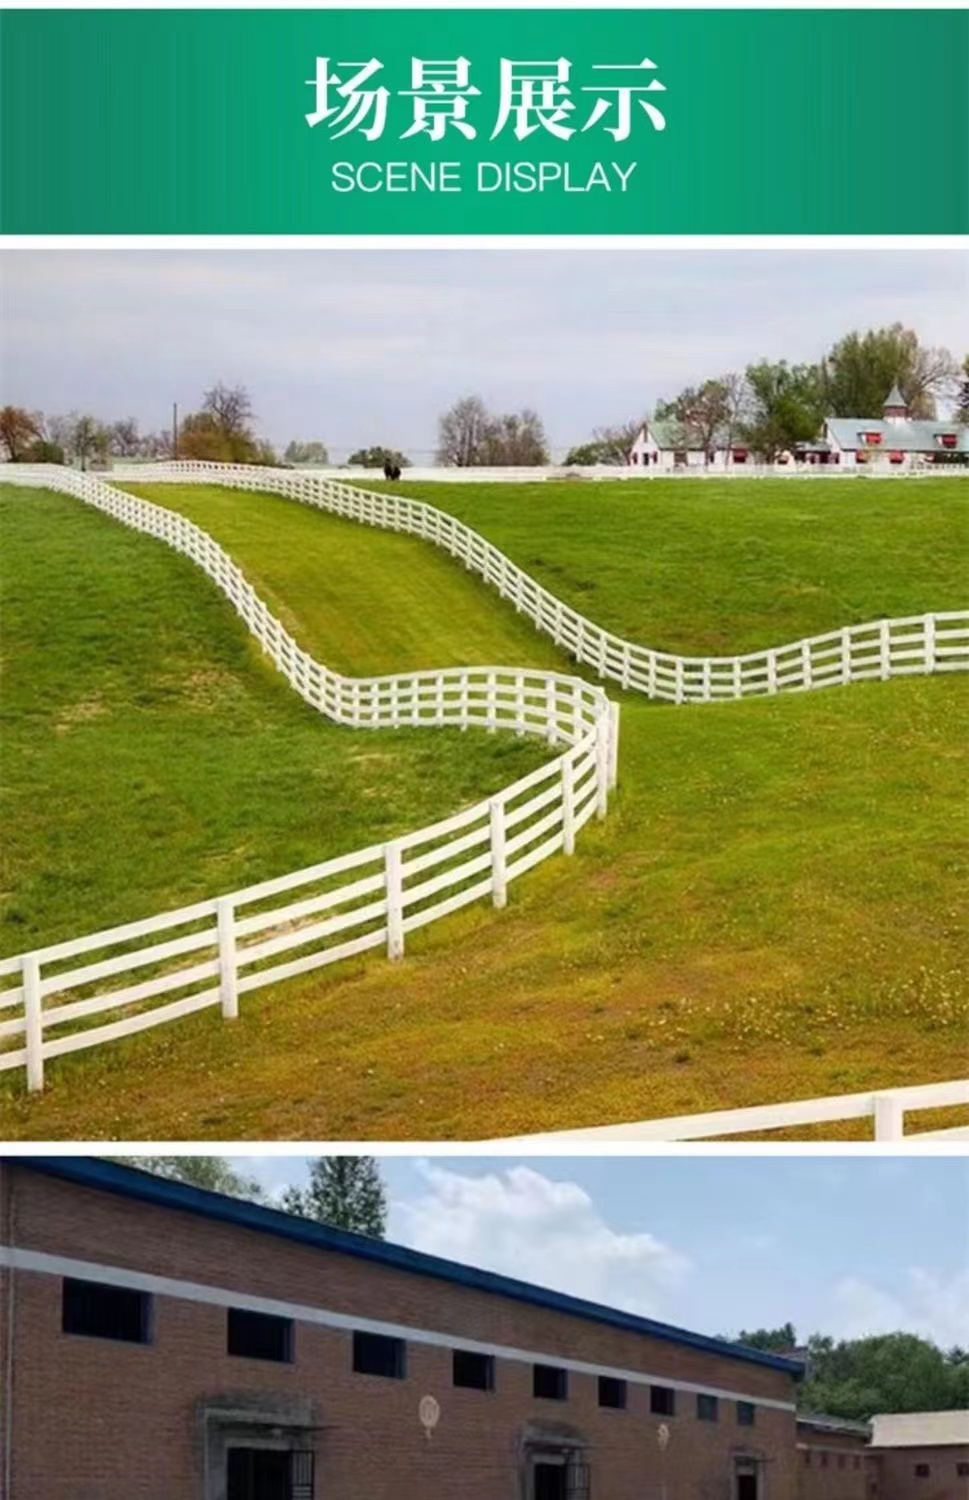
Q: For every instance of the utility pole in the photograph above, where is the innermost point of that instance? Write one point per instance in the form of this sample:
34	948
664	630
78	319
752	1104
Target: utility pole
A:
174	429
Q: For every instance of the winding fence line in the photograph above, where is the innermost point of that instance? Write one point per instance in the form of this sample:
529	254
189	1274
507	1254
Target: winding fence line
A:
886	1108
879	649
199	956
210	953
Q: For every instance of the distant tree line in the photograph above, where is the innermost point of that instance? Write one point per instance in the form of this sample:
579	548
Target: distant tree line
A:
855	1378
769	408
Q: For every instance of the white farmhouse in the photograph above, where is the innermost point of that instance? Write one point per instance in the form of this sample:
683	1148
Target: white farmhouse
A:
662	446
893	441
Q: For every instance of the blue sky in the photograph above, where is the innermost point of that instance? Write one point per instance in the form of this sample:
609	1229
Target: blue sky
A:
845	1245
362	346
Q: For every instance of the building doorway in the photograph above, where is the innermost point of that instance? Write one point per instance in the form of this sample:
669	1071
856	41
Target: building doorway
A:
268	1474
548	1480
746	1484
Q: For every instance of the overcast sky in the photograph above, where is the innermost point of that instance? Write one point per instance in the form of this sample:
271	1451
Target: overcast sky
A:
368	346
847	1245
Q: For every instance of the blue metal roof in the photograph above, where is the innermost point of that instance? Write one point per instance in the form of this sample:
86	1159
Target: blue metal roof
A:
145	1187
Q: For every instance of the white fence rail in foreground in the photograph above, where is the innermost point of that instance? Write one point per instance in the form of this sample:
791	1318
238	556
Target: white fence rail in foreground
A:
880	649
210	953
886	1108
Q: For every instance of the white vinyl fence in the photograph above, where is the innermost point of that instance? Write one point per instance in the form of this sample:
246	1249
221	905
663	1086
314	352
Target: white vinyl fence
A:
880	649
886	1109
210	953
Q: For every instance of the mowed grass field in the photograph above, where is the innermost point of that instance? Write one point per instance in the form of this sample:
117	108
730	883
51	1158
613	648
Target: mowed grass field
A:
771	911
724	566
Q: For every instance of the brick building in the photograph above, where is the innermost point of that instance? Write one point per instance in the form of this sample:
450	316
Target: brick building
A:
165	1343
833	1460
922	1455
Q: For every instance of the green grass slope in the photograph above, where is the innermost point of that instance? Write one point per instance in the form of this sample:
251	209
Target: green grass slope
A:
724	566
152	756
771	911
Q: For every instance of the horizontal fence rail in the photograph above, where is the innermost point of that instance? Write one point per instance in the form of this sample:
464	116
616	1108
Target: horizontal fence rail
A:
915	644
886	1109
77	994
210	953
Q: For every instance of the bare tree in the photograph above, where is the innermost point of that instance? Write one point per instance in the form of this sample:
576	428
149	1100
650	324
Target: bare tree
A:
19	430
231	408
461	433
126	440
516	439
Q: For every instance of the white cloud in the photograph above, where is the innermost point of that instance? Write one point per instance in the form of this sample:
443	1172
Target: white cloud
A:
931	1303
524	1224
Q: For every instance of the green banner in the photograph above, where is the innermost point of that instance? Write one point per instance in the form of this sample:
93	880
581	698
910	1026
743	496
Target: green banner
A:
471	122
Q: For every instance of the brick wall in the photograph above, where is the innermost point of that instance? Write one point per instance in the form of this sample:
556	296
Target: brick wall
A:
832	1466
899	1481
100	1420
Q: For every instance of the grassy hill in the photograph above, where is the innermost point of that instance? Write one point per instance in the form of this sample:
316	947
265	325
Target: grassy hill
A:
770	912
152	757
723	565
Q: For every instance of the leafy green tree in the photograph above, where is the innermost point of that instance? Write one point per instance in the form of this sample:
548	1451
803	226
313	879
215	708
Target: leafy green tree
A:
212	1172
888	1372
344	1191
786	406
861	369
377	457
774	1340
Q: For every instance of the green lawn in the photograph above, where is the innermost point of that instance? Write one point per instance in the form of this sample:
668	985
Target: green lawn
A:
771	911
724	566
152	757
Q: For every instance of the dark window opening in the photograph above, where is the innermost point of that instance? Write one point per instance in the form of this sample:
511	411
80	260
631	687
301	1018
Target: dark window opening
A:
612	1392
662	1401
962	1470
473	1372
707	1408
747	1487
373	1354
550	1382
254	1335
106	1312
746	1413
922	1471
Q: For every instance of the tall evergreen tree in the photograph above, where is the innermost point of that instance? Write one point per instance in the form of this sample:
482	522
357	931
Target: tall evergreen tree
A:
346	1192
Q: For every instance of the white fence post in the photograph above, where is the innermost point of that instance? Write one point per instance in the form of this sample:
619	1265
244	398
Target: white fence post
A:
394	879
771	658
885	650
499	881
930	643
613	744
889	1118
34	1022
228	966
602	765
846	654
568	804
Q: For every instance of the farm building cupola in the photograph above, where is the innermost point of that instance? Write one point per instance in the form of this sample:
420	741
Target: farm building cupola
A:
895	408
